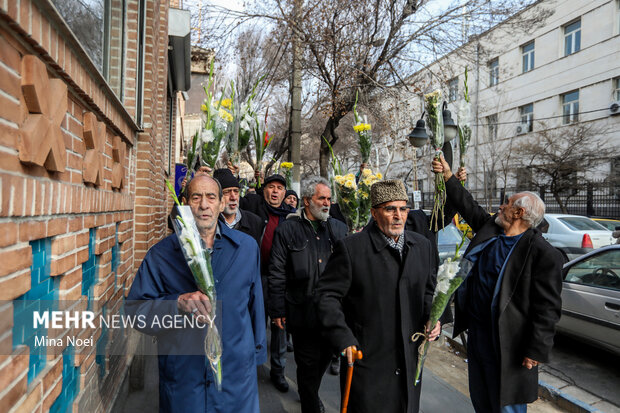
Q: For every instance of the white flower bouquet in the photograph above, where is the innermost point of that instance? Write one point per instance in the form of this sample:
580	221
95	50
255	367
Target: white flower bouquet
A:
198	260
434	115
450	275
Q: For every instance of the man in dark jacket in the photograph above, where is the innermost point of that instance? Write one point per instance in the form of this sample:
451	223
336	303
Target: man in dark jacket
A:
510	301
301	247
233	216
374	294
269	206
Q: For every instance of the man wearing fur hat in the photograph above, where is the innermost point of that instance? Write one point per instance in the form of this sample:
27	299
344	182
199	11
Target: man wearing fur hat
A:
374	294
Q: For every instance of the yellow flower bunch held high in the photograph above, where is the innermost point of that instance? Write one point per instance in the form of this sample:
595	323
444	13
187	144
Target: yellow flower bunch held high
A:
364	133
286	170
354	198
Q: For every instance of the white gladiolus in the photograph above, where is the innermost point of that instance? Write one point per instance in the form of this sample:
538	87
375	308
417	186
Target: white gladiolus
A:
464	114
206	136
445	273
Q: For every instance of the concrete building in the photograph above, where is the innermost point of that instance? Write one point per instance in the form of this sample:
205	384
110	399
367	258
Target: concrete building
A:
553	68
88	95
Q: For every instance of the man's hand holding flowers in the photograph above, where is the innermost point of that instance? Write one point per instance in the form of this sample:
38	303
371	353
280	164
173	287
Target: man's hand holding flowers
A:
196	303
434	333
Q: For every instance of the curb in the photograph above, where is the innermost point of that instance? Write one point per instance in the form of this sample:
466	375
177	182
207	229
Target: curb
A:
563	400
545	390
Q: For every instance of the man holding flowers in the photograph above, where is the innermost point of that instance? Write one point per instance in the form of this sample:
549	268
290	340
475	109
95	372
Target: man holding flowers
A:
164	285
509	302
374	294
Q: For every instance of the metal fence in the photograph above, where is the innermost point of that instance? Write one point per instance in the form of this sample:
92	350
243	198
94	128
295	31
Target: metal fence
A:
593	199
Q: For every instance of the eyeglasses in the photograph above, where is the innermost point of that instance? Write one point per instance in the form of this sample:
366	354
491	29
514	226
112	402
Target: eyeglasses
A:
391	208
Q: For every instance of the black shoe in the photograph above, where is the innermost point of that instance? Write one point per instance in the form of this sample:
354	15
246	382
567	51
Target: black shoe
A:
334	366
280	383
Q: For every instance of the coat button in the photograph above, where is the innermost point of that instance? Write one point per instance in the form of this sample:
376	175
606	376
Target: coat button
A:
318	238
397	372
320	260
259	346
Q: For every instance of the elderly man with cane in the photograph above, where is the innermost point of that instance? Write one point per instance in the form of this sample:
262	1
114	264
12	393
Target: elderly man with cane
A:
375	292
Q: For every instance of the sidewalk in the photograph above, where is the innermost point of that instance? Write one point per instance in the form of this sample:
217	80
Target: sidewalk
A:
566	396
437	392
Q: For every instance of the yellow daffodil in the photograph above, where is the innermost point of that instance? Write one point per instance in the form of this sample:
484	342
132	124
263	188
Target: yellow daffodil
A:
361	127
203	107
286	165
434	94
349	184
366	172
349	176
226	103
224	114
379	175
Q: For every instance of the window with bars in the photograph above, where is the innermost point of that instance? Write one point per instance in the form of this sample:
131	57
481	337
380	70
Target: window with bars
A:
527	52
572	38
527	116
570	107
453	89
494	72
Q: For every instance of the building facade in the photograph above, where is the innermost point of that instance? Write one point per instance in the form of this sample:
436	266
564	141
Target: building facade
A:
551	72
87	105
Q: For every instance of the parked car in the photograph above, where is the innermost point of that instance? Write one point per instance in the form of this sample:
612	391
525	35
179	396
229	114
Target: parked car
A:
610	224
447	240
575	235
591	298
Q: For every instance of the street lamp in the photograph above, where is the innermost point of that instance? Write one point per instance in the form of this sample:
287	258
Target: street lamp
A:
449	127
418	138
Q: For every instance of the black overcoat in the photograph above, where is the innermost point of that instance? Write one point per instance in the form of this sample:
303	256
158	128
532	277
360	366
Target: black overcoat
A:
368	297
528	300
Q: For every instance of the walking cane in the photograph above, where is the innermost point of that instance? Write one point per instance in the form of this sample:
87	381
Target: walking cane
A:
357	355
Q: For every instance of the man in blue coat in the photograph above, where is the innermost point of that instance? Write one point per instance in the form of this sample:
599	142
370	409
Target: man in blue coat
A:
165	286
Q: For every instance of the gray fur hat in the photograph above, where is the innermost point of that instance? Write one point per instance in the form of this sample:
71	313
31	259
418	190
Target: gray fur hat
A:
387	191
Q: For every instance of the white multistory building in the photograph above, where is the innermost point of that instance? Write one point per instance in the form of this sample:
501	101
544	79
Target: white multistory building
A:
526	78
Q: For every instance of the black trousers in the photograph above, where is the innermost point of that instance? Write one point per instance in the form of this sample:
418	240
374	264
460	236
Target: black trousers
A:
312	355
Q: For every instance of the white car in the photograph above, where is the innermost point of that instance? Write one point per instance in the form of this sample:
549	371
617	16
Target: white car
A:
576	235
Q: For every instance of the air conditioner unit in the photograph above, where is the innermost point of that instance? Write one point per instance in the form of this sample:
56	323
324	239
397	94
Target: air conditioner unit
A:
523	128
614	108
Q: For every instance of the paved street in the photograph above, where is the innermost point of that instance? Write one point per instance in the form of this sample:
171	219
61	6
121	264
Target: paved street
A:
444	387
585	367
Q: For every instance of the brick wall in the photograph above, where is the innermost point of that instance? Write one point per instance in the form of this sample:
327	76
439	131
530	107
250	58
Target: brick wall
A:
82	195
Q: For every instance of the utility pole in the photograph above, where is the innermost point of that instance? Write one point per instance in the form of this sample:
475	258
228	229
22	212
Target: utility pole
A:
294	149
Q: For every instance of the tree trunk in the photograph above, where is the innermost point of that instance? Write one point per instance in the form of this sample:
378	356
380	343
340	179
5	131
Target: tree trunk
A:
558	199
330	134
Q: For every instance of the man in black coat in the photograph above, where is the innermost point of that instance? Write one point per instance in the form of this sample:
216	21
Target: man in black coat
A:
510	301
270	207
374	294
301	248
233	216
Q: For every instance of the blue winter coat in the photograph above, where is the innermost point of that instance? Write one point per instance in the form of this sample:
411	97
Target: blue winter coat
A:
186	381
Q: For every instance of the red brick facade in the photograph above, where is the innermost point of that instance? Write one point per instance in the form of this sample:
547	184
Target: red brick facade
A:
77	164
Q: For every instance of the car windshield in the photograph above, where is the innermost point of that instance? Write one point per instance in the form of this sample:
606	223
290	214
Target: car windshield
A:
449	235
581	224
